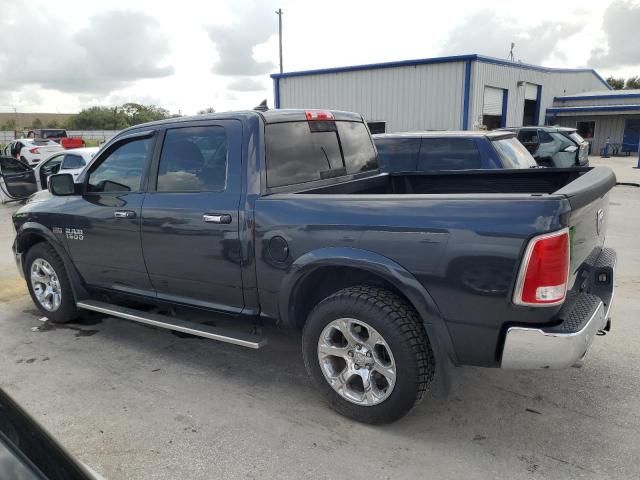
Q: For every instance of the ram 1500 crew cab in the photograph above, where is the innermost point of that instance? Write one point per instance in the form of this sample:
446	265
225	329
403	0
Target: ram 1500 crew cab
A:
283	216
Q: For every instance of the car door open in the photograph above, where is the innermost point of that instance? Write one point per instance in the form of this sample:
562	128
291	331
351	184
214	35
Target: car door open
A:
18	179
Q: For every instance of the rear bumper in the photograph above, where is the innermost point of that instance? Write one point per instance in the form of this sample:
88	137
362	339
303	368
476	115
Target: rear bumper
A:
584	314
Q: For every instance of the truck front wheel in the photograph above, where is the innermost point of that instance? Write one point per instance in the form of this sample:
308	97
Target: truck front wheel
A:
367	351
48	284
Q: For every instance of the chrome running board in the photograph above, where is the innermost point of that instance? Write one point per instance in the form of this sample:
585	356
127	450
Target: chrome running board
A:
170	323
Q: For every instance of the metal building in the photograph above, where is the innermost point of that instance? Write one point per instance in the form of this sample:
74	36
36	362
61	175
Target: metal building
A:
460	92
606	117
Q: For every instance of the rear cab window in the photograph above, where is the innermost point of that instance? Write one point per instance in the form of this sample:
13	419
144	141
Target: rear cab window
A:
513	153
305	151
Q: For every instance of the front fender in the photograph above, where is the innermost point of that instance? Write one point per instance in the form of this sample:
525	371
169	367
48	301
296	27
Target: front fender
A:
21	244
380	266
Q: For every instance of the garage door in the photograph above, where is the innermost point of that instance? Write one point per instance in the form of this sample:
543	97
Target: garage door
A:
492	101
530	91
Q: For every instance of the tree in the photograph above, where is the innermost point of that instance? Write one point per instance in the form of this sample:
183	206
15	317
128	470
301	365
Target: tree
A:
53	124
632	83
115	118
206	110
37	123
616	83
10	125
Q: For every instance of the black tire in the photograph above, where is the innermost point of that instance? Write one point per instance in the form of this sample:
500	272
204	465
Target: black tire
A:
403	331
66	311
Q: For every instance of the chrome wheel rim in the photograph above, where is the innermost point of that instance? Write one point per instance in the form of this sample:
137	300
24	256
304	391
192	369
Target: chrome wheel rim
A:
356	361
46	285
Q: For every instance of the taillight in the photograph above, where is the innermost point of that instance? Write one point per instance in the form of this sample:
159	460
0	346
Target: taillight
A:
318	115
34	150
544	272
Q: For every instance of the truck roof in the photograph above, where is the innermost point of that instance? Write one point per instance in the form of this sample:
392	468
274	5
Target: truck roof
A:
269	116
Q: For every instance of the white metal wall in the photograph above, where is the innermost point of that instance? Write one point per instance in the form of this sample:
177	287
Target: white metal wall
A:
408	98
607	127
506	76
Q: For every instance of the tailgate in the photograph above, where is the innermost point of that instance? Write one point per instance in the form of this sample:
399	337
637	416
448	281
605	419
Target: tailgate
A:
588	197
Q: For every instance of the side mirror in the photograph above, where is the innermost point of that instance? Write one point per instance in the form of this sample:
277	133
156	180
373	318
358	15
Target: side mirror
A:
570	149
62	184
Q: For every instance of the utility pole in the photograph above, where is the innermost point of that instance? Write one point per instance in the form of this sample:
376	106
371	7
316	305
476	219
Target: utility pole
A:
279	12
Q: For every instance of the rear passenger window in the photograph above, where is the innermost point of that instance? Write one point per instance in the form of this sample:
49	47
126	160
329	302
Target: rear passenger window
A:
193	159
121	170
72	161
528	136
545	137
449	154
397	154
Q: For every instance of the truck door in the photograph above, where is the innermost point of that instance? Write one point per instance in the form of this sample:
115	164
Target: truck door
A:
102	226
190	216
17	180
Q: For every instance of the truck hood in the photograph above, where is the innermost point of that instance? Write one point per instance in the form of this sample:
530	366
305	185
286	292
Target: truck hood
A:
39	196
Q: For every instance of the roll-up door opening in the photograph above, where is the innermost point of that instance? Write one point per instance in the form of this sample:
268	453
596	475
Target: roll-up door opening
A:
492	108
530	105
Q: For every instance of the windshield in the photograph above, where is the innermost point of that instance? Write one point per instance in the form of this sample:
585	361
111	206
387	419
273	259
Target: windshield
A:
299	152
514	154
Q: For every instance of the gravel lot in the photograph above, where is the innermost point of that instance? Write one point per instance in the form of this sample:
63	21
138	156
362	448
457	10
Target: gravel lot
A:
138	403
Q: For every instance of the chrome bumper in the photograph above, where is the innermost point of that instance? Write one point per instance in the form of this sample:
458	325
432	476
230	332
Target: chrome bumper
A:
534	348
583	316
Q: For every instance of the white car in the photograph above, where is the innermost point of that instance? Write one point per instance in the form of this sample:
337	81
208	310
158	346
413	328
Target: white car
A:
31	150
65	161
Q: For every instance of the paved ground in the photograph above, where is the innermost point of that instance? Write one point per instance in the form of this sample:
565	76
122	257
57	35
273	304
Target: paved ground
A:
139	403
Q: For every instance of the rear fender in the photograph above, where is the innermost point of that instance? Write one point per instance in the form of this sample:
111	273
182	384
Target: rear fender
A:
22	244
380	266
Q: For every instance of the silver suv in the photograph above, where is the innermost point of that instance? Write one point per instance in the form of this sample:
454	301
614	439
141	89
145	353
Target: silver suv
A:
559	147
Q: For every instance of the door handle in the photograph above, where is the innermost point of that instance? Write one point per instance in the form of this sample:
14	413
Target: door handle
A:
215	218
124	214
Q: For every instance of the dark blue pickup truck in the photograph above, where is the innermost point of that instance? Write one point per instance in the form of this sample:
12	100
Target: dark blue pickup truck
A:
283	216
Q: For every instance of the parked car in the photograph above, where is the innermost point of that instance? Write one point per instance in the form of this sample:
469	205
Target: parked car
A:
559	147
31	150
28	452
437	151
283	216
66	161
17	179
58	135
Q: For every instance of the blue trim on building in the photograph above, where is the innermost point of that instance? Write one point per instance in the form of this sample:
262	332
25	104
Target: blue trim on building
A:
429	61
569	98
593	108
466	95
536	117
376	66
276	92
505	103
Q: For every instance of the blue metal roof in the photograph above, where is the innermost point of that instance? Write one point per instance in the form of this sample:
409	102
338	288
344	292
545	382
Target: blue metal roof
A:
594	108
429	61
596	96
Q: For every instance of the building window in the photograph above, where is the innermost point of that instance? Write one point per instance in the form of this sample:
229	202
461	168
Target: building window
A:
586	130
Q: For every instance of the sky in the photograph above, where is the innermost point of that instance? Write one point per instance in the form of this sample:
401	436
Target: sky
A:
189	55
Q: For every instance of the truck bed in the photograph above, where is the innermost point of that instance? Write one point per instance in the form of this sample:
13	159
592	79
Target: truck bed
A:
535	181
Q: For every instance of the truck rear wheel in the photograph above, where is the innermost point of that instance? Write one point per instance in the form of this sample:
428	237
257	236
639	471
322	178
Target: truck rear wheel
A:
49	285
367	351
